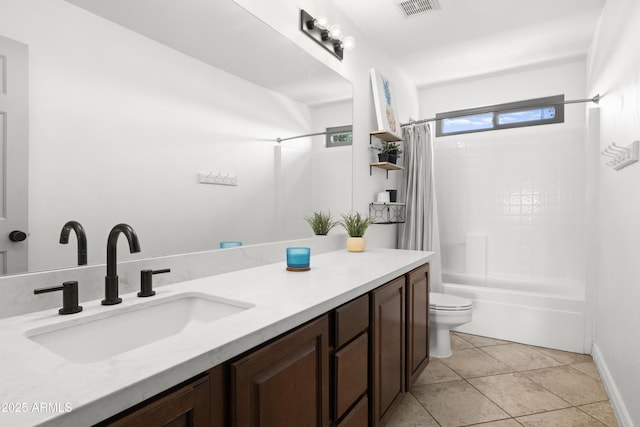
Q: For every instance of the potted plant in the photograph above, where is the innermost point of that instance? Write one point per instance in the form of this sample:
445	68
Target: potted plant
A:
388	151
356	225
321	223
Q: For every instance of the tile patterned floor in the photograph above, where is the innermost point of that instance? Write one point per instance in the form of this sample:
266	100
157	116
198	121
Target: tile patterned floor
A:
495	383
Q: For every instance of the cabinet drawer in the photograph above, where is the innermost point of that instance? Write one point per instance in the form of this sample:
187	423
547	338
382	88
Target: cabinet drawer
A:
351	374
351	319
187	406
359	415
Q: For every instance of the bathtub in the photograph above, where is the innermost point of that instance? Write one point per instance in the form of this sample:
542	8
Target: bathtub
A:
544	313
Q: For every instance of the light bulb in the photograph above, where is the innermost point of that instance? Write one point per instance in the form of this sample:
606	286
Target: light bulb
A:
321	23
335	32
348	43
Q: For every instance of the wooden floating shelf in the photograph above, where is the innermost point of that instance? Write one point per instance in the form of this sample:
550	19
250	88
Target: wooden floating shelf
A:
384	165
385	135
387	166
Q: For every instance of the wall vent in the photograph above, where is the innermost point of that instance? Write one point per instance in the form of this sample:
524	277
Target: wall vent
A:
411	8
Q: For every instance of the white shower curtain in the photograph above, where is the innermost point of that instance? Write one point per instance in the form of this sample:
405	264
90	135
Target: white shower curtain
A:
420	229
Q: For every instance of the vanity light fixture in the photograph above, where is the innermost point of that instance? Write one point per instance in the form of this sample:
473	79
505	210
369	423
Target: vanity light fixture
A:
328	36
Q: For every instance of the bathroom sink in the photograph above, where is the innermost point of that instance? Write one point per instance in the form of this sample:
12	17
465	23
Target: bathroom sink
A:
106	334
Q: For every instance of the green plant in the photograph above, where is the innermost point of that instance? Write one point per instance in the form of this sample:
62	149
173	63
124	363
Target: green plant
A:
321	223
389	147
355	224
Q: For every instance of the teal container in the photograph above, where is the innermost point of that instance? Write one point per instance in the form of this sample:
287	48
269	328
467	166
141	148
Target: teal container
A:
230	244
298	257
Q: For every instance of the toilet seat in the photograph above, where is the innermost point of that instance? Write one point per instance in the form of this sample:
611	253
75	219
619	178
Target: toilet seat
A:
444	302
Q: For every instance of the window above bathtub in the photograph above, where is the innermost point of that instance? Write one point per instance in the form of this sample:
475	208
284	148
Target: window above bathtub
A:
339	136
531	112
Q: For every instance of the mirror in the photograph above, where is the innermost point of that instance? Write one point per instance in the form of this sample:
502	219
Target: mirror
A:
123	124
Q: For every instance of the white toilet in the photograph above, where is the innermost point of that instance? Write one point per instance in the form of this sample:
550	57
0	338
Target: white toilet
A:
445	313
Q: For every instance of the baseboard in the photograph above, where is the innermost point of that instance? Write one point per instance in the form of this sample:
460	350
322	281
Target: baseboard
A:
619	408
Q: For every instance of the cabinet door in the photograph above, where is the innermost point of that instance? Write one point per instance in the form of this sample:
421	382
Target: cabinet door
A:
285	383
388	346
186	407
417	322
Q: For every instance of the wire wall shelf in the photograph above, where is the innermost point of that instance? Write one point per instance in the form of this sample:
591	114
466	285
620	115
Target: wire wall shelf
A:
386	213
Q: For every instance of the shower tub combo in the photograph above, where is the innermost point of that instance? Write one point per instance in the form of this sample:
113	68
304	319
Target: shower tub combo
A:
545	313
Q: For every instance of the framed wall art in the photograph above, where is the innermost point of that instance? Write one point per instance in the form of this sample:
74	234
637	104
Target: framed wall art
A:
385	103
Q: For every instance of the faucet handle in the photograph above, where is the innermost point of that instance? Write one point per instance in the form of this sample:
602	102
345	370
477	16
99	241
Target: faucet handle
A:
146	282
69	296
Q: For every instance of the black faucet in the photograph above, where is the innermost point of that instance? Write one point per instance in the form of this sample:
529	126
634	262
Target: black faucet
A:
111	279
80	235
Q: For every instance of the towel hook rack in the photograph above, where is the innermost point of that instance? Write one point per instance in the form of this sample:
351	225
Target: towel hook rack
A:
621	157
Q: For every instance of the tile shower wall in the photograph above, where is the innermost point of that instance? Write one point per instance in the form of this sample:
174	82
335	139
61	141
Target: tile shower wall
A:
524	190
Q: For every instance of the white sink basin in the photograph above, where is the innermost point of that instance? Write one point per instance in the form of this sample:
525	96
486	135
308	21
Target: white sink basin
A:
106	334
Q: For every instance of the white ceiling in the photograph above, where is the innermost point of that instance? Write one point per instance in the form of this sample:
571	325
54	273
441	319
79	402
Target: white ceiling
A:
464	39
470	38
223	34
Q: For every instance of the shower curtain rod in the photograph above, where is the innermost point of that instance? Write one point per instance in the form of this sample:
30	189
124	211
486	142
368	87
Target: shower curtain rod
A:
595	99
279	140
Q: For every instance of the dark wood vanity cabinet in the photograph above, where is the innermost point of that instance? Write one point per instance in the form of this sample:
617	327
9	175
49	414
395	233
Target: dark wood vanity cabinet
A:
417	323
400	338
187	405
387	346
284	383
350	364
346	368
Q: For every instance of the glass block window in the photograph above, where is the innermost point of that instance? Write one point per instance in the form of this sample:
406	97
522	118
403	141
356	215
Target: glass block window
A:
532	112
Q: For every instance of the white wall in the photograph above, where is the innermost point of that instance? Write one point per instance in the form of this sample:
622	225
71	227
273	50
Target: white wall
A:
522	188
98	88
283	15
332	165
614	72
317	178
151	118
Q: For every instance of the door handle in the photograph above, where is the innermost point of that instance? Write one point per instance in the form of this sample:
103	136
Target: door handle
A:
17	236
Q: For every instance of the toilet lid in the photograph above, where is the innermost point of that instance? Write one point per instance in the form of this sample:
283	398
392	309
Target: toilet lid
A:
439	301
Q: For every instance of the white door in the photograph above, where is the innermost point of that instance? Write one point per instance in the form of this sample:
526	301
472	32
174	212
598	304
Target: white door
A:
14	152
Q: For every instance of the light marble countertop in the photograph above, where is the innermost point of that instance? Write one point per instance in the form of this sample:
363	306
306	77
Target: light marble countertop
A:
38	387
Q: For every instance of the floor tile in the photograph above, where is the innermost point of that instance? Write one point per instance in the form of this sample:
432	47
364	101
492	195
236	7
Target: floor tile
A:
565	357
569	384
504	378
588	368
602	411
479	341
520	357
456	403
502	423
436	372
473	362
410	413
570	417
517	394
458	343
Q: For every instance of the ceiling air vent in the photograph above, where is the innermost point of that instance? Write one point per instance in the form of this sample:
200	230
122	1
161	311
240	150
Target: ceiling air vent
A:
411	8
